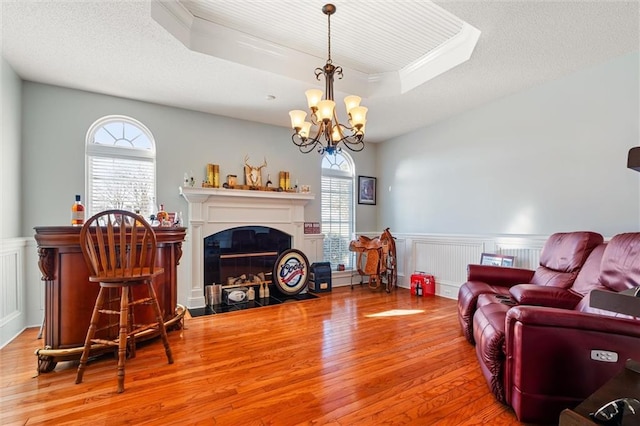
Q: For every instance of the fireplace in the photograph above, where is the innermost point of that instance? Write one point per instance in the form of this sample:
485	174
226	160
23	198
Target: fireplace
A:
245	250
212	210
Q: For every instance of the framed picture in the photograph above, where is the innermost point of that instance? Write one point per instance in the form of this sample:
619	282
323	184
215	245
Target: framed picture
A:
496	259
366	190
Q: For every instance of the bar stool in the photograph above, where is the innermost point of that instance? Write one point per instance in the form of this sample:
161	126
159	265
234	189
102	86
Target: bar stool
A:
119	248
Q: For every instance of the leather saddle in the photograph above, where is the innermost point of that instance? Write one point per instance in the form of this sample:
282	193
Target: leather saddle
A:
364	243
375	249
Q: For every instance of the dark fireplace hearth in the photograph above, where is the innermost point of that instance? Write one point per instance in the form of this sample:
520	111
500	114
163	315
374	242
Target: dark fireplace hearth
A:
222	308
242	251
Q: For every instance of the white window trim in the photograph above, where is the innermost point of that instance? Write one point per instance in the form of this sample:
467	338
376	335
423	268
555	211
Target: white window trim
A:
96	150
350	175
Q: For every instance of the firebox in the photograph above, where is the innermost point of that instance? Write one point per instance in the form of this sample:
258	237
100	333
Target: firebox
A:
245	250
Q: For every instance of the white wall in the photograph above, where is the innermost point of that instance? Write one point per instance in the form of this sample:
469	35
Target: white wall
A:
56	120
13	314
10	182
552	158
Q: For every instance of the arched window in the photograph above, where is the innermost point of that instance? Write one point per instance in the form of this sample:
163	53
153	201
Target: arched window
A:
337	204
120	166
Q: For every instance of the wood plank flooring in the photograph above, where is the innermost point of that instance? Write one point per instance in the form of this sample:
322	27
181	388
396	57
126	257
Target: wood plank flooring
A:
328	361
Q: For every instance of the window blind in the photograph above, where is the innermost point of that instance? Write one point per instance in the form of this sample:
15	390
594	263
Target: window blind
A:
337	219
120	183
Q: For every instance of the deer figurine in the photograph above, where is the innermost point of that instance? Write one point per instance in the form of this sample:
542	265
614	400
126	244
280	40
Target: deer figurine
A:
253	175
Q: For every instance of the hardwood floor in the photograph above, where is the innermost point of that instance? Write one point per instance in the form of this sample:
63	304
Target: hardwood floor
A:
328	361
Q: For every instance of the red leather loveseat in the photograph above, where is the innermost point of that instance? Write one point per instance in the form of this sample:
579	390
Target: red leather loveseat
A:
560	261
539	350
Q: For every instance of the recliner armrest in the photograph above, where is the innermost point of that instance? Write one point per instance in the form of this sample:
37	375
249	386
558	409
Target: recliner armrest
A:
552	361
498	275
552	297
551	318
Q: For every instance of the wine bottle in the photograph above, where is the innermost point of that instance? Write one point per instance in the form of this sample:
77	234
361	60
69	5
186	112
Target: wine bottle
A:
162	216
77	213
139	219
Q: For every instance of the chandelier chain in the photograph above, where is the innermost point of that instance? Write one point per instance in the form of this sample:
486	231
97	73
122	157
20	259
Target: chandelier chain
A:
329	38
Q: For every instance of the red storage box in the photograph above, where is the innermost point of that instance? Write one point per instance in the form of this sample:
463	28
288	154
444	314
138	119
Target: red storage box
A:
423	284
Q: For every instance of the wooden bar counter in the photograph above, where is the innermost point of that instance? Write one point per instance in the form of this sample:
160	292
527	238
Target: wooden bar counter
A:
69	296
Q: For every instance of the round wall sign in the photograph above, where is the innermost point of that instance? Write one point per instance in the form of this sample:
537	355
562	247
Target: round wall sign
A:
291	271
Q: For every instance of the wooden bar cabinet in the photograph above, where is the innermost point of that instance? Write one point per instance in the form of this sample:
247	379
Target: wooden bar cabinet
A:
69	296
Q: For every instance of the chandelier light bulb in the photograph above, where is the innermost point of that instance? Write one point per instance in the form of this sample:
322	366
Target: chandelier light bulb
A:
325	110
358	115
306	129
335	134
313	97
297	118
351	102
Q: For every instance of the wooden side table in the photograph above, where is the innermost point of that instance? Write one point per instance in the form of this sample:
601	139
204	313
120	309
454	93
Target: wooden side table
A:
624	302
625	384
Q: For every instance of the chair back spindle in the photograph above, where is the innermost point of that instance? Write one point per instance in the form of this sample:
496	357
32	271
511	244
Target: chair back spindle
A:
116	245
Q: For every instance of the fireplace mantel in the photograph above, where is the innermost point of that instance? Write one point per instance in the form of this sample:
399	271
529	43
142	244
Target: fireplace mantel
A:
201	195
213	210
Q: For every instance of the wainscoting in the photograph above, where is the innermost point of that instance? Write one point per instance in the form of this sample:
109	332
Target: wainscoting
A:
12	297
12	292
444	256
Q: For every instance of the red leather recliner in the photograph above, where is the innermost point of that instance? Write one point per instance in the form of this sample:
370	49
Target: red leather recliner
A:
543	356
489	319
560	260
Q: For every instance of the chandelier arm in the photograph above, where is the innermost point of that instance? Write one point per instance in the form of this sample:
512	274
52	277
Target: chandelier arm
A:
305	145
341	127
349	132
327	133
338	72
320	131
307	149
309	143
354	143
298	140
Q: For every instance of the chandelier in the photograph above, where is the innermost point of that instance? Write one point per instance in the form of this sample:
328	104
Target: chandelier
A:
324	131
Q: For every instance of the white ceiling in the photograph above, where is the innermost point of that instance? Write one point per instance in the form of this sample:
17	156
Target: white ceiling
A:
118	48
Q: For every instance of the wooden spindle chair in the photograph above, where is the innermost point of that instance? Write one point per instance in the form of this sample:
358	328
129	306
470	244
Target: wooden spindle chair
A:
119	248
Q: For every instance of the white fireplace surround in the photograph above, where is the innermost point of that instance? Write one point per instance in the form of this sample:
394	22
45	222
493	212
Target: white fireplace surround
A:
213	210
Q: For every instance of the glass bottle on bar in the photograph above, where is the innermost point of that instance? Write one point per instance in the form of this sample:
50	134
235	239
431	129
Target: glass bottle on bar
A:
139	219
162	216
77	213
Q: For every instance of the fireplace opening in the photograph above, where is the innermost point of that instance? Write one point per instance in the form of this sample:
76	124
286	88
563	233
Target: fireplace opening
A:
245	250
